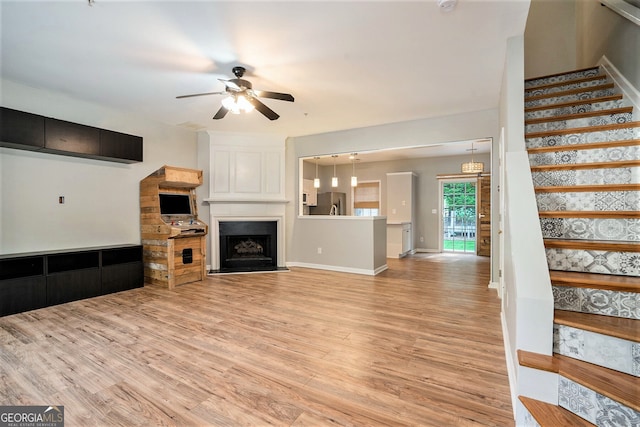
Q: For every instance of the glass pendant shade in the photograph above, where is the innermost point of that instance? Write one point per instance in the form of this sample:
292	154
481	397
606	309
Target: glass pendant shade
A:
354	181
316	183
334	181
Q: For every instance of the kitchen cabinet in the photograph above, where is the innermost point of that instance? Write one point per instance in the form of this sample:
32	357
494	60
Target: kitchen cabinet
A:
311	192
401	212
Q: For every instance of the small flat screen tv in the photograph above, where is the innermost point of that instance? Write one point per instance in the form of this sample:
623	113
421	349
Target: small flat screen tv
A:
175	204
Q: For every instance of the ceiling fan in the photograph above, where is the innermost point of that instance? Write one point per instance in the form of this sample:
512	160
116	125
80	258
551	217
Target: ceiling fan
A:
242	97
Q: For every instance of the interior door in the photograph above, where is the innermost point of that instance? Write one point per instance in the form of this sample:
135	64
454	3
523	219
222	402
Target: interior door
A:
484	217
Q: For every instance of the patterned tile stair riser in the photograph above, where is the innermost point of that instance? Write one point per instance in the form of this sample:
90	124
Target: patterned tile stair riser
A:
572	157
594	407
573	97
564	87
612	229
589	201
600	301
584	137
562	77
587	177
574	109
594	261
603	350
604	119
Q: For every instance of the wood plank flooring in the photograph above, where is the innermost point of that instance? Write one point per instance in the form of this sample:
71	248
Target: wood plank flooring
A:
420	344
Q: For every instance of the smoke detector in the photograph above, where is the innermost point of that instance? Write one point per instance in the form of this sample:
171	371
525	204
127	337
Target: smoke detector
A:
447	5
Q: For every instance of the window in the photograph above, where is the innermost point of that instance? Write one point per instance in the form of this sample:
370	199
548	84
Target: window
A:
366	199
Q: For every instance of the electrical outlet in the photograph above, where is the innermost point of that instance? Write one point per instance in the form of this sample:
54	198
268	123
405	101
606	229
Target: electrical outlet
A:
319	250
421	239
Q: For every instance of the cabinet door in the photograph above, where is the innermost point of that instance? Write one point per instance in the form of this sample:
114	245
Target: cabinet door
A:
73	285
72	138
22	294
122	277
21	130
120	146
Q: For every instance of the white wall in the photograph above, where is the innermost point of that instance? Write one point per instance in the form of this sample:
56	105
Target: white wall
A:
602	32
550	38
101	198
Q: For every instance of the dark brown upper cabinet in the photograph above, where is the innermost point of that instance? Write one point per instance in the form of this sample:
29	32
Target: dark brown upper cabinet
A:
116	145
71	137
29	131
21	130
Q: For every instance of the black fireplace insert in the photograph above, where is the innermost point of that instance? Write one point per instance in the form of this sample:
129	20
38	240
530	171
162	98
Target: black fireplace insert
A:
248	246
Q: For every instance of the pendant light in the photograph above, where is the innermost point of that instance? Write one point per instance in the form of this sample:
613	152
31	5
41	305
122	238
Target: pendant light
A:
316	180
472	167
334	179
354	178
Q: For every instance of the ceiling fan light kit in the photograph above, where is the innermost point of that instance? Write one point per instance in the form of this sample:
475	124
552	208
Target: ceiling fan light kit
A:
242	98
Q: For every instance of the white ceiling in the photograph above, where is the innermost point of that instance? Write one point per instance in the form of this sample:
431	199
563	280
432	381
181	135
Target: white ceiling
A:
348	64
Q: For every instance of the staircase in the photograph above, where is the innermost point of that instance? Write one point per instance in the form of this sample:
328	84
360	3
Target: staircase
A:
583	142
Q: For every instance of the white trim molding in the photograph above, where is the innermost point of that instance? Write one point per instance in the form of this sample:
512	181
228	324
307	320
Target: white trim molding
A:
630	92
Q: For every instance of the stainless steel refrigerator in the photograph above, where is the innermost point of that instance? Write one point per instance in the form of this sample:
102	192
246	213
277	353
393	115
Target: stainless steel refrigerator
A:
332	203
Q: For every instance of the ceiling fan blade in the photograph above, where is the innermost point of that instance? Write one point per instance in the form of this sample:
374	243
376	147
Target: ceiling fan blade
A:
268	112
231	84
221	113
274	95
200	94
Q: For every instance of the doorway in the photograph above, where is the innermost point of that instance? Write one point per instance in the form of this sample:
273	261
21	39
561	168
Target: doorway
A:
459	213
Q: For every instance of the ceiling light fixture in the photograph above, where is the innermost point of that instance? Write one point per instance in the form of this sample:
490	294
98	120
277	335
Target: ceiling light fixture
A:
334	178
472	167
316	180
237	104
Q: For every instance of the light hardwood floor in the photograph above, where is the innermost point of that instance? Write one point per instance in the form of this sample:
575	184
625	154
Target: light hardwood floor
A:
419	344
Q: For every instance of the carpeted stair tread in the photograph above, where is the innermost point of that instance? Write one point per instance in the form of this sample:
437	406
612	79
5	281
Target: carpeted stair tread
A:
593	165
570	92
574	103
594	113
549	415
586	129
587	188
595	281
589	214
593	245
615	385
588	146
619	327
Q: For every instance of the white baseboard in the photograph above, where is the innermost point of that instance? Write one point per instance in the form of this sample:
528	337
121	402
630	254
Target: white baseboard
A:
630	92
511	367
426	250
338	268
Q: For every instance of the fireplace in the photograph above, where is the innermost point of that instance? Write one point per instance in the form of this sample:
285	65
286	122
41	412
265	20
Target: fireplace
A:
248	246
